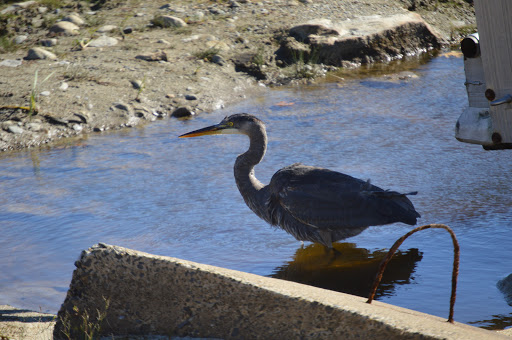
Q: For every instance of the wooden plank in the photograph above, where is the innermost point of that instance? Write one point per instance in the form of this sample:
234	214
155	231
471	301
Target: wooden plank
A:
495	30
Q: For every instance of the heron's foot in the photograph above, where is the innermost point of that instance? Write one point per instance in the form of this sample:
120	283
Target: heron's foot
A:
333	254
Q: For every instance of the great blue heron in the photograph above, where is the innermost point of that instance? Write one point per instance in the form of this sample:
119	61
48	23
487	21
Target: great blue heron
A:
312	204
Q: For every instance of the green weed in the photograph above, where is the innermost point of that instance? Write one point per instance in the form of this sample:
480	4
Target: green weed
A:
208	54
34	94
81	325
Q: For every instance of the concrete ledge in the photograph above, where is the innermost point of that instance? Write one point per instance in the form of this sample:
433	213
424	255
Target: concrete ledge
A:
25	324
158	295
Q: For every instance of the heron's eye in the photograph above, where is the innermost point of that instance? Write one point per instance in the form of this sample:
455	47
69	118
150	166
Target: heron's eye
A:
230	124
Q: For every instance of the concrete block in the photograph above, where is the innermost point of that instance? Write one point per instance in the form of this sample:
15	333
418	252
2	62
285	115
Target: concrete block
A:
156	295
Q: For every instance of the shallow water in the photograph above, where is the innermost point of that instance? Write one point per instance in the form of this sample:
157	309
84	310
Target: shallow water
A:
148	190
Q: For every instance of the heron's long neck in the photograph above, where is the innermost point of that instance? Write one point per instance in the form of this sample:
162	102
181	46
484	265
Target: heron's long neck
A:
247	183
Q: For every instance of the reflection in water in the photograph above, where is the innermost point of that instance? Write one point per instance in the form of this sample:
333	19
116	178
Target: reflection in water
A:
497	322
351	271
500	321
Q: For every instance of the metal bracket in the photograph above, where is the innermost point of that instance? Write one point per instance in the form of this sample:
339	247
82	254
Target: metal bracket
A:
503	100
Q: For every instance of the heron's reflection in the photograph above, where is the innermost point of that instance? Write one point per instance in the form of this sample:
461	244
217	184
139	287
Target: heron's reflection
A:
352	271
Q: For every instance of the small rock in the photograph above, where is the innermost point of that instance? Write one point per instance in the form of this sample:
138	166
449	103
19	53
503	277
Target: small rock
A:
103	41
157	56
190	97
158	114
137	84
65	27
45	93
106	28
127	30
39	53
218	45
168	21
42	10
64	86
184	111
10	63
18	5
197	16
82	116
19	39
77	127
14	129
75	19
49	42
163	41
191	38
122	106
217	11
217	59
34	127
234	4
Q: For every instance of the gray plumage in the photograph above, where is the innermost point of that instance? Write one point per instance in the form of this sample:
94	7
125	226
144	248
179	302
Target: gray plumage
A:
310	203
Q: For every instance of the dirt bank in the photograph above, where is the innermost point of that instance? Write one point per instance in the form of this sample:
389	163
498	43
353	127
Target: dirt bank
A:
123	63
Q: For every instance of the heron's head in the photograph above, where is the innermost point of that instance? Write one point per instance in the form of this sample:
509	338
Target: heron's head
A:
240	123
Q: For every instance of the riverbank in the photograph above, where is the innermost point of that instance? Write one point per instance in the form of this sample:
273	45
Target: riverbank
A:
71	68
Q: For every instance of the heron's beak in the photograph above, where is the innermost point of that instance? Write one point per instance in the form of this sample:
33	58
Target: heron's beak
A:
210	130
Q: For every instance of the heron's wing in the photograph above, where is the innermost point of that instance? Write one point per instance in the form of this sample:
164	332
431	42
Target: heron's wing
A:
327	199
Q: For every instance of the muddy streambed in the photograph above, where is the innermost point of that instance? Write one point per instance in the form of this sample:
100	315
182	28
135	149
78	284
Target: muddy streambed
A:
148	190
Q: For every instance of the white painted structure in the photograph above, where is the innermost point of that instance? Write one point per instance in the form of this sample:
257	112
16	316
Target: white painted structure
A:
488	66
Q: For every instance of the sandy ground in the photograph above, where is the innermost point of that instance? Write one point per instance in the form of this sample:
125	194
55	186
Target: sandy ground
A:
151	71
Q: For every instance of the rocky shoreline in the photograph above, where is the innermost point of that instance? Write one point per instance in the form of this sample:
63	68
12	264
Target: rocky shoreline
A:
70	68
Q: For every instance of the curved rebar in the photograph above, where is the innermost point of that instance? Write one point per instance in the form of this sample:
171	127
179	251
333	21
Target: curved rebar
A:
455	271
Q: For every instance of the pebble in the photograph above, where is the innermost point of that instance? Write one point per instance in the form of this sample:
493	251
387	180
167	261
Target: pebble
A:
106	28
103	41
197	16
45	93
217	11
39	53
217	59
19	39
34	127
14	129
190	97
127	30
10	63
191	38
77	127
65	27
64	86
218	45
49	42
184	111
137	84
122	106
168	21
75	19
15	6
157	56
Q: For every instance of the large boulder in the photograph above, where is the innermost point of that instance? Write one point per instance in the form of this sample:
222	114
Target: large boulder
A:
361	41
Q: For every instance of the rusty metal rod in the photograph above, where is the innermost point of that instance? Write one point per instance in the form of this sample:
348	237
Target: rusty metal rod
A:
455	271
